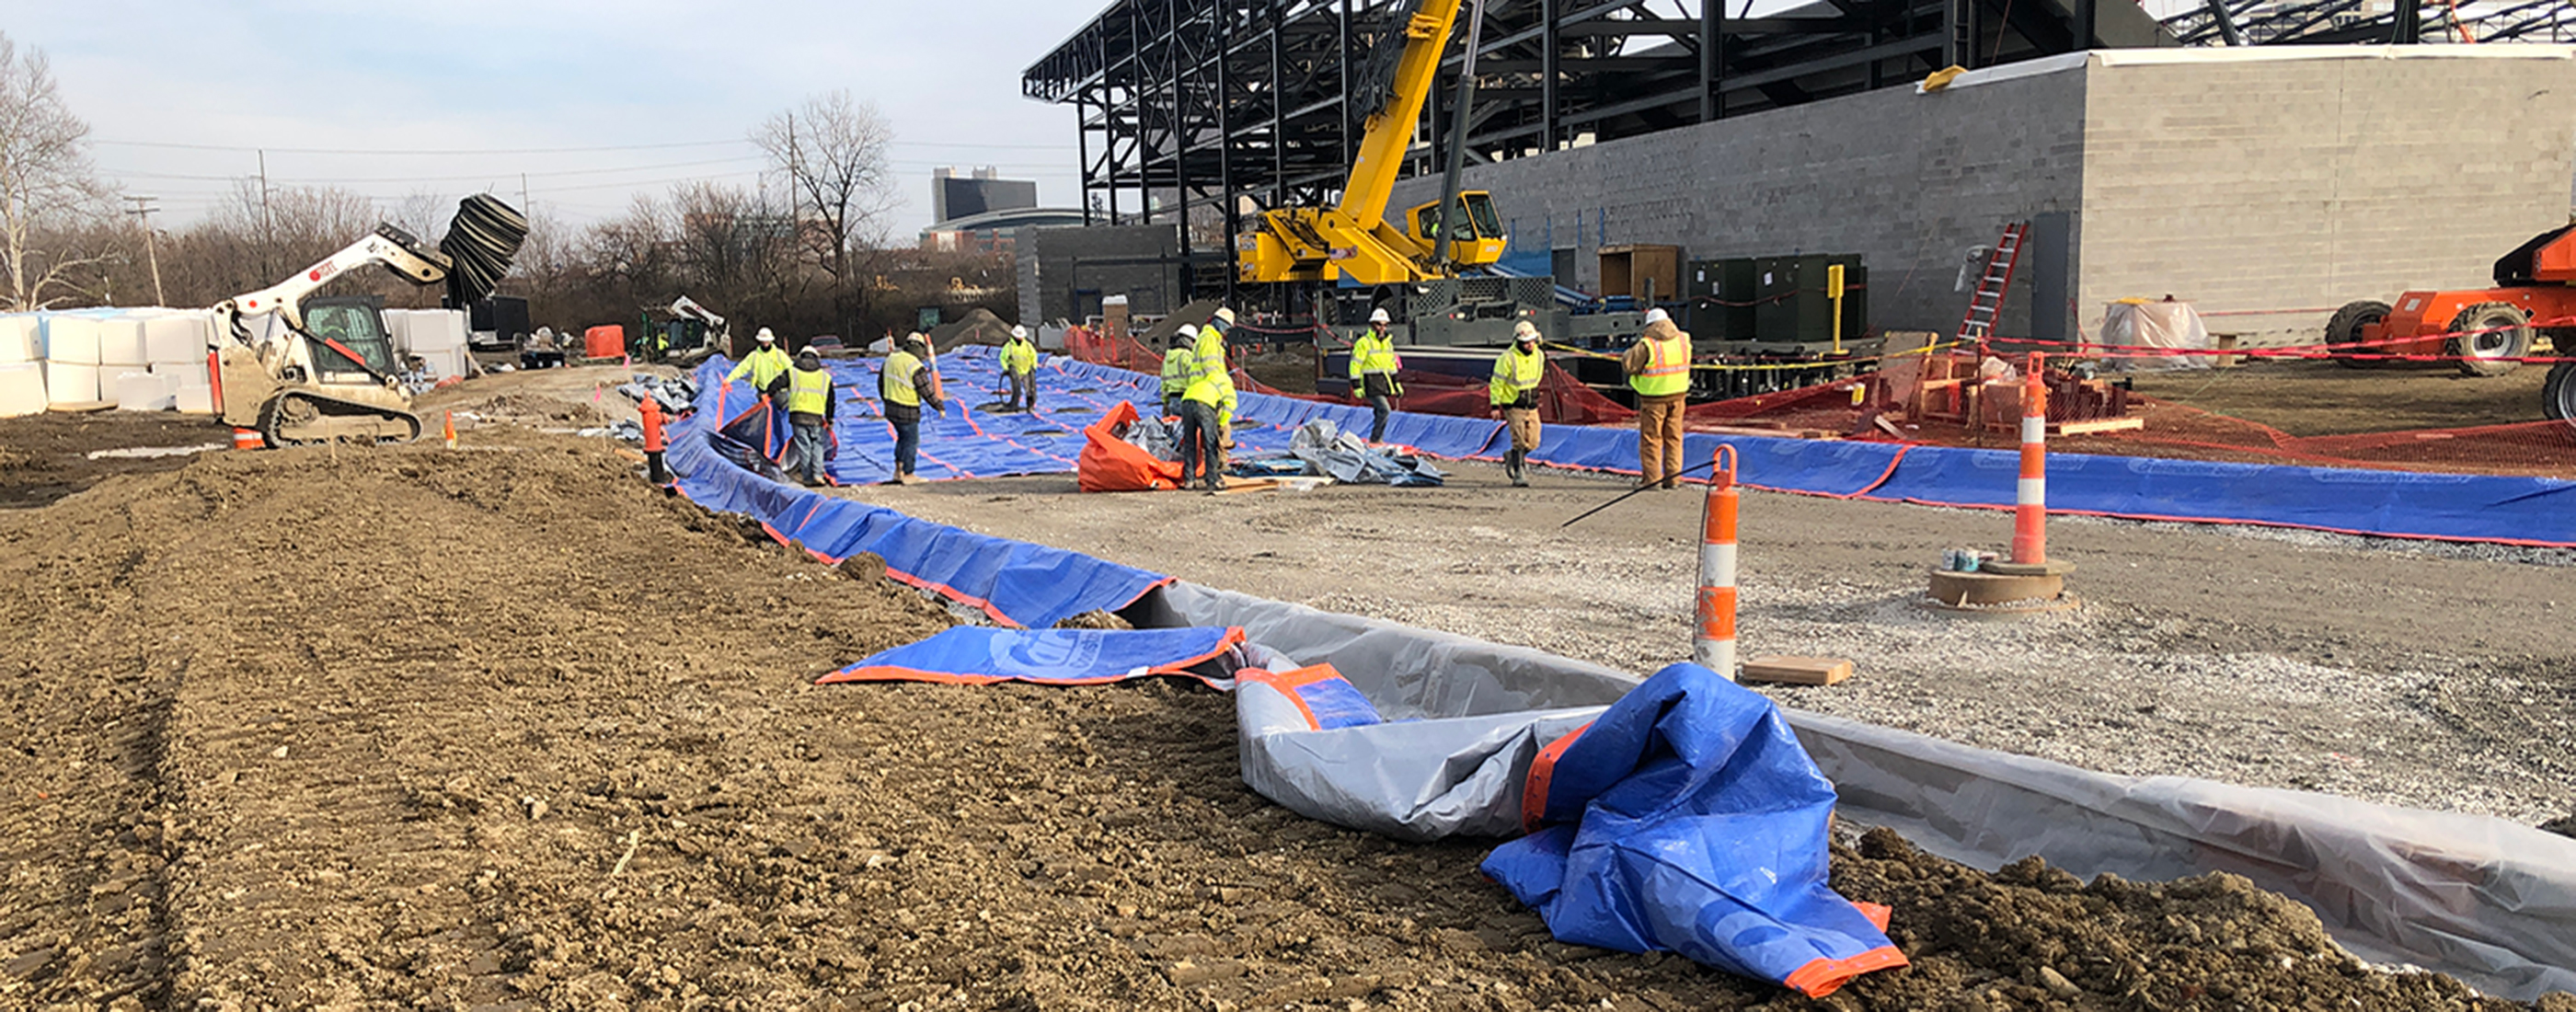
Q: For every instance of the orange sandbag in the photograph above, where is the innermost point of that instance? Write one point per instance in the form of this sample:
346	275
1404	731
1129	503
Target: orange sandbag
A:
1111	464
604	341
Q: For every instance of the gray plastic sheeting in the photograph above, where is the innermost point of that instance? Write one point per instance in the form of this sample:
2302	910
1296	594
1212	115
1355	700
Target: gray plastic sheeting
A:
2488	901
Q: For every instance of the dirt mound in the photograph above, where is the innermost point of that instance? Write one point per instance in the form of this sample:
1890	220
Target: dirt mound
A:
2034	936
536	410
979	326
502	727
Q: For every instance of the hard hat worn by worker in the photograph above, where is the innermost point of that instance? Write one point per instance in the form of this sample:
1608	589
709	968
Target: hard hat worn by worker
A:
1019	332
1225	316
1525	332
1379	316
809	359
765	337
1185	336
1657	315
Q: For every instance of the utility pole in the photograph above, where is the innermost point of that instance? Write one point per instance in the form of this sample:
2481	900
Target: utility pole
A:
267	224
523	193
142	211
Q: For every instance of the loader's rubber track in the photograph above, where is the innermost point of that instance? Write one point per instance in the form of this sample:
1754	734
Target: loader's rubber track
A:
290	419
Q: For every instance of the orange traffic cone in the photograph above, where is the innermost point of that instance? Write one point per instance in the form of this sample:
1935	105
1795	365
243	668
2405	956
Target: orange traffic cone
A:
451	430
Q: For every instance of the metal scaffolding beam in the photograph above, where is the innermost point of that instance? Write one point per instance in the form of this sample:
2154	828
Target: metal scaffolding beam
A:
1213	106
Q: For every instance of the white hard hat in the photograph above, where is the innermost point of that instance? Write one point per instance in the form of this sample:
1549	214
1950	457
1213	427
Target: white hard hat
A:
765	336
1019	331
1189	331
1657	315
1525	330
1379	316
1226	315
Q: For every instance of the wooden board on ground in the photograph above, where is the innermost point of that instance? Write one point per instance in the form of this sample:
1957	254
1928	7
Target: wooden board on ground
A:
1797	670
2080	427
1236	486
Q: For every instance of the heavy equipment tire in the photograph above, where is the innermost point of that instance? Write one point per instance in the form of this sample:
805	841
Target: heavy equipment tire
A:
2510	338
2344	330
2558	393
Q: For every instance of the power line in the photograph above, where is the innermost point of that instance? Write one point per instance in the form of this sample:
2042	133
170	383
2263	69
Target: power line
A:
445	179
443	151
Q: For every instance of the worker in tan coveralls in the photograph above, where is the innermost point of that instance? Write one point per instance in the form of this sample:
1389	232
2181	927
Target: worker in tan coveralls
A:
1658	368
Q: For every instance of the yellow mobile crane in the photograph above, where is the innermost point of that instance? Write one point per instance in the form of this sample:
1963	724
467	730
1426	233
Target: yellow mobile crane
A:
1353	237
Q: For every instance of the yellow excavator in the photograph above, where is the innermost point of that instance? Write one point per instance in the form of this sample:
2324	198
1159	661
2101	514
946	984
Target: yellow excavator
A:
1353	238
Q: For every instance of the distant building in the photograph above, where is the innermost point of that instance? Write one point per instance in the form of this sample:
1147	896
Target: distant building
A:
955	196
983	213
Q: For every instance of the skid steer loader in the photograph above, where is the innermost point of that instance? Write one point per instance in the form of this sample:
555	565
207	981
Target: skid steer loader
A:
300	371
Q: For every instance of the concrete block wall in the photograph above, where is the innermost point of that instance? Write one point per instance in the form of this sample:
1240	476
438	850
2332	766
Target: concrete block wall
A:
2309	181
1908	181
1054	263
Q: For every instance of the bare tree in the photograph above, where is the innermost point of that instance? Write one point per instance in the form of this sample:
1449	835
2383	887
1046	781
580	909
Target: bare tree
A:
833	151
46	183
425	214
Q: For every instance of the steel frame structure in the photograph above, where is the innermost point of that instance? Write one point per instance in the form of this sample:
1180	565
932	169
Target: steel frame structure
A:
1240	105
2322	22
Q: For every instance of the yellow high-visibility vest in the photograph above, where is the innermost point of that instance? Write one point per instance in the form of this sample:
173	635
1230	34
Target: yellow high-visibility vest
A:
1667	371
1515	374
1019	356
895	383
1179	364
809	392
762	365
1374	354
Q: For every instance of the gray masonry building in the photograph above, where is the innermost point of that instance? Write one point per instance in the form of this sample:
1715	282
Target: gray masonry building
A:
2267	185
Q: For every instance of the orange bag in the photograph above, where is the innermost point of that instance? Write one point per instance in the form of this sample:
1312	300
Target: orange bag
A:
1111	464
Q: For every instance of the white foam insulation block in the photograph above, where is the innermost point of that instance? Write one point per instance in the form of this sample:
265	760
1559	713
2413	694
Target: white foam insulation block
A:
70	382
22	389
142	391
120	342
180	337
17	339
72	340
195	399
184	373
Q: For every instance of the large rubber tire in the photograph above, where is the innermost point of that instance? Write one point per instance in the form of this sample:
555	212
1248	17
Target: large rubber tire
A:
2558	393
2510	338
2344	330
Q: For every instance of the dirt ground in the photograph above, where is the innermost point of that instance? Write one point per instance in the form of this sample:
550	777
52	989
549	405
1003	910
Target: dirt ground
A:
2325	399
46	457
500	728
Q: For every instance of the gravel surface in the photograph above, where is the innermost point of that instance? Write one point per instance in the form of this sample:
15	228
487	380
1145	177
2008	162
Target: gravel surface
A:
2412	673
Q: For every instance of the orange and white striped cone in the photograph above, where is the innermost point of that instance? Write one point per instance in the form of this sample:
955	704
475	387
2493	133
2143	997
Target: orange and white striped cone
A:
247	439
2030	502
1714	646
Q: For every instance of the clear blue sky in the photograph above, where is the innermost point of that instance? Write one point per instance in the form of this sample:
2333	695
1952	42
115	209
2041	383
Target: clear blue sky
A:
490	76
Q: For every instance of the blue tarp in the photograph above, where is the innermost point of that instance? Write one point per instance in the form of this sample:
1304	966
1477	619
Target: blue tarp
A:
968	441
978	655
1687	817
1013	581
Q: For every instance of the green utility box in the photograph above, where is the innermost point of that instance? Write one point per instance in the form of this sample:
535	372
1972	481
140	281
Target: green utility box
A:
1792	305
1721	297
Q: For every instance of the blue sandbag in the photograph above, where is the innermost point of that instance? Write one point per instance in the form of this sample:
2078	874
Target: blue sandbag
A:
1687	818
976	655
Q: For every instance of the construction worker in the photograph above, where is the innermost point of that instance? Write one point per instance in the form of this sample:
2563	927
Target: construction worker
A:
1373	370
807	388
1202	431
1514	395
764	365
1020	366
903	386
1179	365
662	344
1658	368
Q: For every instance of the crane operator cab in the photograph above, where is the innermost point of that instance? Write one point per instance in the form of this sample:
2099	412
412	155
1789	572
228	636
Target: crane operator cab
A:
1480	244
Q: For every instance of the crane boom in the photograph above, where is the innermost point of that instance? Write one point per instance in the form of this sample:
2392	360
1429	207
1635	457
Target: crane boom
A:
1390	128
1352	238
